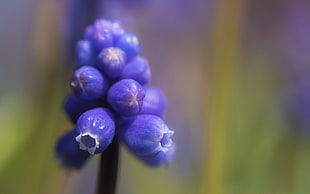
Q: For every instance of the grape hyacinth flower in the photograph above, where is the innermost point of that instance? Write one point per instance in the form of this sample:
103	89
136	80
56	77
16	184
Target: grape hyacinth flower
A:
84	53
111	61
75	106
138	69
88	83
68	152
154	102
109	104
95	130
147	137
126	97
99	36
129	44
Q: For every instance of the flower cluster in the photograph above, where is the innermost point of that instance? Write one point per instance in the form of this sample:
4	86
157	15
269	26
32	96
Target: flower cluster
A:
109	101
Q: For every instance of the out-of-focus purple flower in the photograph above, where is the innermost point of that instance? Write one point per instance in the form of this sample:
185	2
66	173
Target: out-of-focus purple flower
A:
296	39
88	83
77	15
68	153
95	129
126	97
84	53
114	27
100	38
297	102
138	69
116	30
148	138
104	33
295	42
75	106
154	102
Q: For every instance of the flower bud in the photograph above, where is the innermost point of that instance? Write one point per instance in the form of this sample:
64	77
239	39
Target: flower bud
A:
95	130
126	97
99	35
111	60
129	44
154	102
114	27
75	106
147	137
116	30
88	83
138	69
68	153
84	53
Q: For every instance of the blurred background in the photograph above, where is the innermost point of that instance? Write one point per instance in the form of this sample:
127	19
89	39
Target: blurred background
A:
236	75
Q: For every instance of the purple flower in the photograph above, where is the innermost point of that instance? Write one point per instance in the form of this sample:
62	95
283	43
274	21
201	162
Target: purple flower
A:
88	83
84	53
126	97
297	102
75	106
147	137
116	30
114	27
129	44
99	36
104	33
111	60
95	130
107	54
154	102
296	39
68	153
138	69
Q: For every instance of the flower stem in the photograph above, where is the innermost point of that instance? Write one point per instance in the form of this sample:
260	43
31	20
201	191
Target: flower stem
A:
107	178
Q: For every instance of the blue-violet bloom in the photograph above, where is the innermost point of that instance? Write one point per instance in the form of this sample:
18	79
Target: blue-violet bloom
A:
147	137
129	44
126	97
154	102
89	83
84	53
75	106
99	37
116	30
95	130
68	153
111	60
138	69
